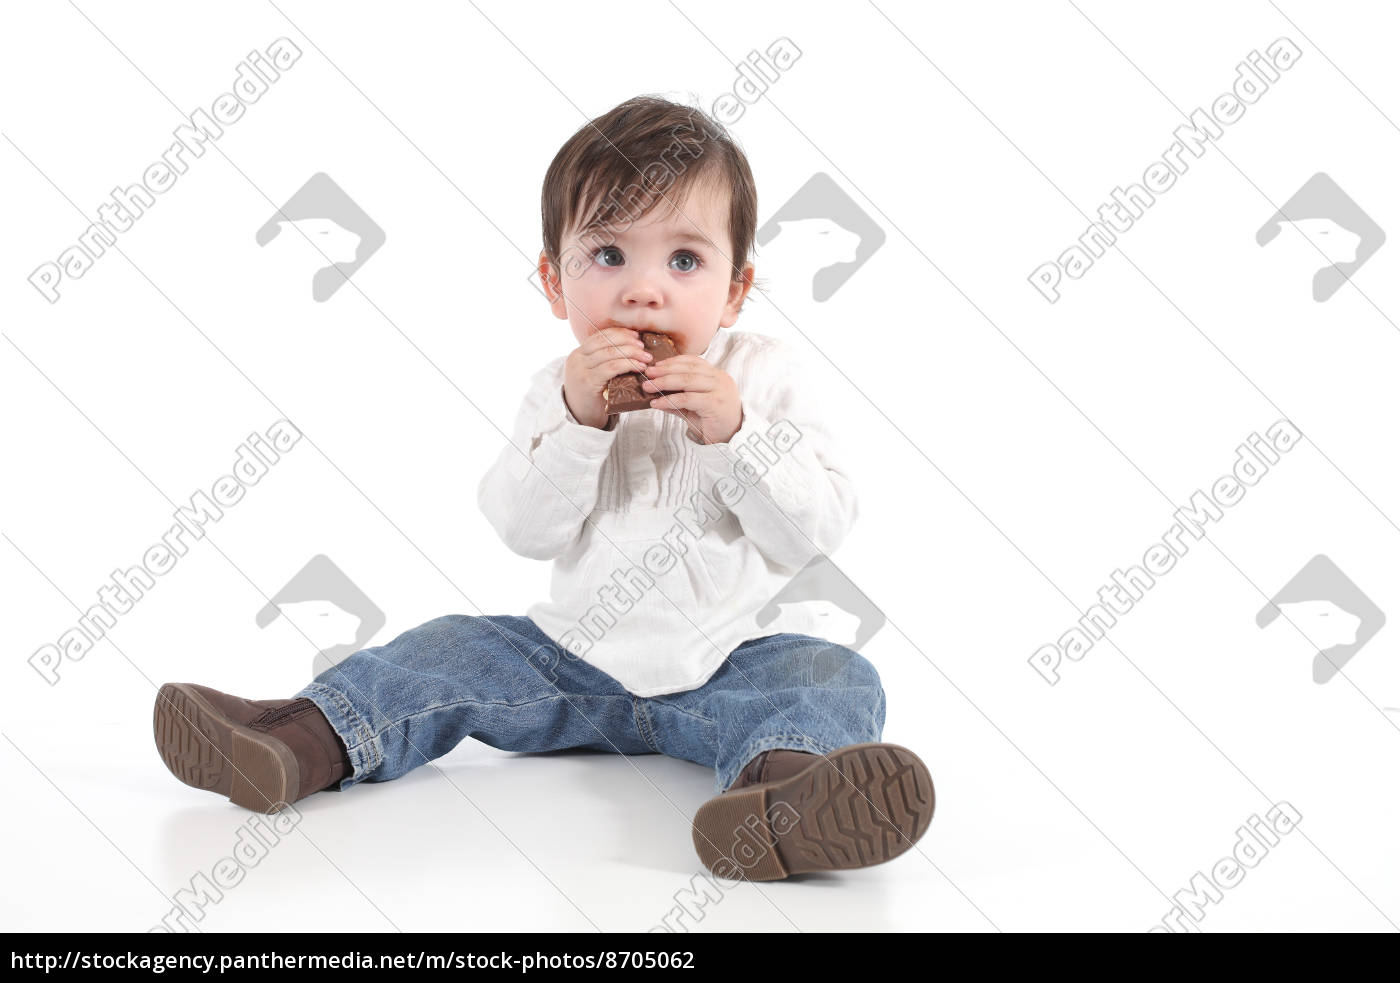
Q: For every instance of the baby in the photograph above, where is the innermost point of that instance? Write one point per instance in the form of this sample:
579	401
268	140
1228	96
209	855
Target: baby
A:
670	526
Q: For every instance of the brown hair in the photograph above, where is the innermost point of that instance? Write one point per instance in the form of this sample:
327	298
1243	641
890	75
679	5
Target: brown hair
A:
616	168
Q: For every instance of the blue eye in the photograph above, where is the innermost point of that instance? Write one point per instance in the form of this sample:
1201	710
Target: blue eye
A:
689	260
609	256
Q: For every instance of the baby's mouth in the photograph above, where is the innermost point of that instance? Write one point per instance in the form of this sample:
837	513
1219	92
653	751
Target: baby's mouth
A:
676	338
633	327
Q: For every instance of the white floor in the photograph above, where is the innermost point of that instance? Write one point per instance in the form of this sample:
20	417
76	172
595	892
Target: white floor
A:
586	841
573	841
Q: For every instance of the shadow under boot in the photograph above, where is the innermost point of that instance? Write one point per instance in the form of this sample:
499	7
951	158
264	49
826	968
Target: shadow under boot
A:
262	754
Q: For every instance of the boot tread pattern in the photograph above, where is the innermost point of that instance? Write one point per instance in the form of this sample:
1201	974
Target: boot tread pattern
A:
867	809
181	735
858	806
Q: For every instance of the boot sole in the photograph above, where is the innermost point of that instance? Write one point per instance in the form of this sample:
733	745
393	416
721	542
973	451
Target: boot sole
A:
821	818
207	750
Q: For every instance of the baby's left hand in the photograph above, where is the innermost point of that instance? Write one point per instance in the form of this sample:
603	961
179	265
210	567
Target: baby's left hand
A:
706	397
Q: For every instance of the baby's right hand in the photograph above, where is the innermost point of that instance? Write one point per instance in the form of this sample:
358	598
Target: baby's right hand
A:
608	352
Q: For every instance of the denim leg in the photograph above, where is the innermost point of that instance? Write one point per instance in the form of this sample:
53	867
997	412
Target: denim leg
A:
781	691
496	678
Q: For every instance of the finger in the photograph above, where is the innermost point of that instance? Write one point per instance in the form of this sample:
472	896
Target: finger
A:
614	342
687	364
611	339
693	362
610	352
618	363
617	366
679	401
663	381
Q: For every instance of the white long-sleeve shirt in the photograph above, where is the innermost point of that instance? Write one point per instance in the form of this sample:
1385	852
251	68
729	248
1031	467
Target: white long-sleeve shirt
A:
665	549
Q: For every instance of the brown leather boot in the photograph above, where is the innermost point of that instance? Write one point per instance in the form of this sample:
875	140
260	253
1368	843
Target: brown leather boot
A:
771	765
793	812
262	754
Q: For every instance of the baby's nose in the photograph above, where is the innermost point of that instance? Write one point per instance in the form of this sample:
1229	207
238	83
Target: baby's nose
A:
642	291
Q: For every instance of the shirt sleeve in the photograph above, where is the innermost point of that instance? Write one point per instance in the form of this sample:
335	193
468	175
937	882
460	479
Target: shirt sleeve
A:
804	504
544	484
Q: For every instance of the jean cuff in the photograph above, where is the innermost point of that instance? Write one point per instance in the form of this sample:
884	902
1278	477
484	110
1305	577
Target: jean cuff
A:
755	747
361	743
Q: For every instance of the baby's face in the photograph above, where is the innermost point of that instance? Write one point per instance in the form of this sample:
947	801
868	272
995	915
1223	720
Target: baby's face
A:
670	271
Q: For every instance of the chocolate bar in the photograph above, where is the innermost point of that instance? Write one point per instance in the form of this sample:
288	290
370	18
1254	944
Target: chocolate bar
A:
624	393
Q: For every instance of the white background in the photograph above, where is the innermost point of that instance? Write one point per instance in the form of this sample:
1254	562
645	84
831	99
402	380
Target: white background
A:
1010	454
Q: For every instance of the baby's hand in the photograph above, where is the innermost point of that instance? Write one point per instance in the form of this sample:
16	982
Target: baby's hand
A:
608	352
705	397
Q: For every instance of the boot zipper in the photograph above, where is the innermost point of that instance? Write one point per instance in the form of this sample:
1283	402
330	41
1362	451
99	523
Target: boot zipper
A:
276	715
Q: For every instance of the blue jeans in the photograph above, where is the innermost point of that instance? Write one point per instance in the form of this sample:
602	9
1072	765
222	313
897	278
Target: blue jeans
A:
501	680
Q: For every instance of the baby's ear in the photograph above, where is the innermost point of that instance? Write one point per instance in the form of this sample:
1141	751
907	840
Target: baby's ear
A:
553	288
738	290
